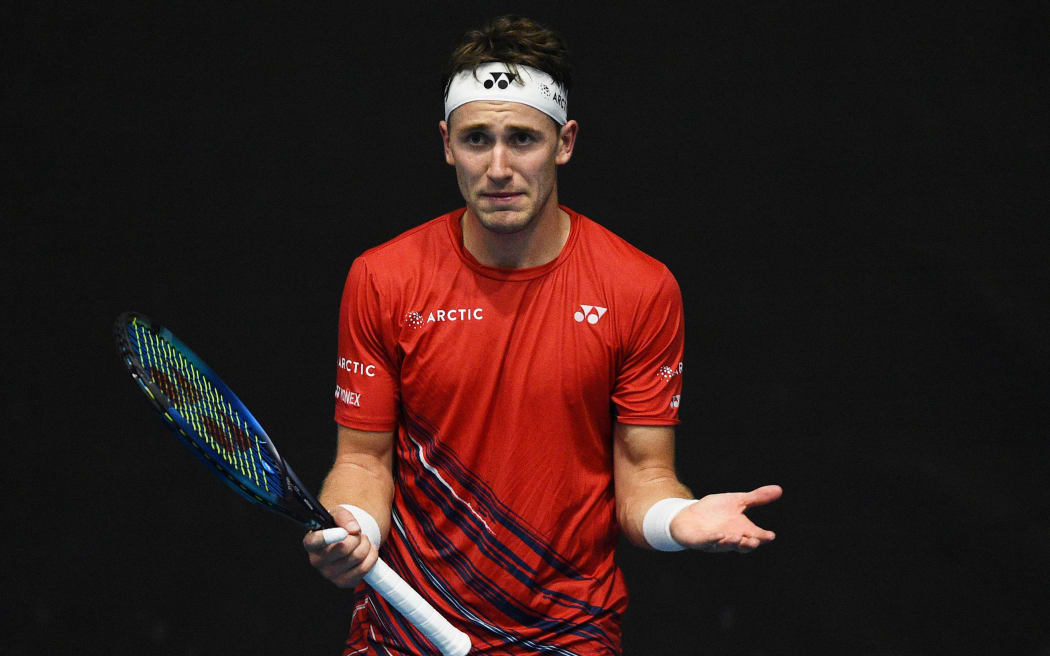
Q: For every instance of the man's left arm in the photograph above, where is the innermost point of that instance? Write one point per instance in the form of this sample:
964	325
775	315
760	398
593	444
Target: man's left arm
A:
643	469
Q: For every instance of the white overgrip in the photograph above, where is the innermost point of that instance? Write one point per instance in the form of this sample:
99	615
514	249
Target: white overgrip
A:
447	638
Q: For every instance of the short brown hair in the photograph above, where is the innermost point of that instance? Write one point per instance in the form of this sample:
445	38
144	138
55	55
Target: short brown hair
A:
513	40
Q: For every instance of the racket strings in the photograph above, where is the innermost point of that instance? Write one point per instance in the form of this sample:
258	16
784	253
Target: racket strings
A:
203	406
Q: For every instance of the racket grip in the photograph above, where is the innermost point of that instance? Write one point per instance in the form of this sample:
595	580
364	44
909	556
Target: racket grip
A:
399	594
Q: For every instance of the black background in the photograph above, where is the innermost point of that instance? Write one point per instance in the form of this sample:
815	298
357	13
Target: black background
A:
852	196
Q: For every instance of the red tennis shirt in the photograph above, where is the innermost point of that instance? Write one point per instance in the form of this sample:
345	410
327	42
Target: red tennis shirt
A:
502	386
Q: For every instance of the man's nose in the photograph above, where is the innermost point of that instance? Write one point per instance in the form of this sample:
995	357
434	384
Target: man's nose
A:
499	165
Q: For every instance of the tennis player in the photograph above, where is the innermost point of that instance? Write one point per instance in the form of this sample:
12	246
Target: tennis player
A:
509	378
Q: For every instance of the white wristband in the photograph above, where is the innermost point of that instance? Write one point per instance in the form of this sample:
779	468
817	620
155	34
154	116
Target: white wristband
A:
656	527
369	525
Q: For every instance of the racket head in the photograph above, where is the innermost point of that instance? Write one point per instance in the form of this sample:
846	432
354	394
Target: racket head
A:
211	421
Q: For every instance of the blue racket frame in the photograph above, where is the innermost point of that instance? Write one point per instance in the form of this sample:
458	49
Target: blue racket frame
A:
288	496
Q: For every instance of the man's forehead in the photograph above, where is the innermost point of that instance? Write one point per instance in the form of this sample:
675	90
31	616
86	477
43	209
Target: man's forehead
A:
498	114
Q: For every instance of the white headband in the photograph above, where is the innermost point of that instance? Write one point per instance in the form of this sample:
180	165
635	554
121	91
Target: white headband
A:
495	81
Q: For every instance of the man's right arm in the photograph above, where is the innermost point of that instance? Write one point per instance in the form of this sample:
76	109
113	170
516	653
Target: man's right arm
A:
362	475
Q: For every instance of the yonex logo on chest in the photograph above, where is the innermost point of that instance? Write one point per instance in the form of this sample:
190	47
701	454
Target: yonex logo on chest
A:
590	313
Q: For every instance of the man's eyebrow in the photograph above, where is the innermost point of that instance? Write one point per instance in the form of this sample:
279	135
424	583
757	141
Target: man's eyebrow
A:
472	127
523	128
485	127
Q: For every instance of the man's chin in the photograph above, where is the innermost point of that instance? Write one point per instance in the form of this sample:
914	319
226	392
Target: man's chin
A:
504	222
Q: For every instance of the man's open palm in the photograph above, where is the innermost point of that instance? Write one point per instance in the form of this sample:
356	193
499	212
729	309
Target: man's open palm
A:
717	522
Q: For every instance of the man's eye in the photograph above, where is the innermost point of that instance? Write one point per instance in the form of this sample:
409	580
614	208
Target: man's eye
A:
475	138
522	138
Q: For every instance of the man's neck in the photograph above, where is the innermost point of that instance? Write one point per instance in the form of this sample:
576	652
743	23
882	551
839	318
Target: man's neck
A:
536	245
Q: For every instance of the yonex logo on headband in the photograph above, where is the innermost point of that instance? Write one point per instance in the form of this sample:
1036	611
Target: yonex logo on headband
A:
501	83
510	83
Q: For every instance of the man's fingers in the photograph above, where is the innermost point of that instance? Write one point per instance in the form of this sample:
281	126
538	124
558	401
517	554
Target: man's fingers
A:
758	535
345	518
348	570
352	577
333	535
370	559
342	554
322	551
734	543
763	495
314	541
740	543
346	525
360	552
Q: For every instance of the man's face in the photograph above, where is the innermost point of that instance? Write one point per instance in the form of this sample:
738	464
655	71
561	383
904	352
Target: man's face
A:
506	156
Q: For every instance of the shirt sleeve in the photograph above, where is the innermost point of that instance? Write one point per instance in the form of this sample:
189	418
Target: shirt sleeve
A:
648	386
366	391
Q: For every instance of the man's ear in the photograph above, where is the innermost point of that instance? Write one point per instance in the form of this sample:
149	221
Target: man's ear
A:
443	126
566	142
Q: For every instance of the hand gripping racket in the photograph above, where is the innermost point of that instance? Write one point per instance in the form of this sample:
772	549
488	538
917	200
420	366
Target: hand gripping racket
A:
212	422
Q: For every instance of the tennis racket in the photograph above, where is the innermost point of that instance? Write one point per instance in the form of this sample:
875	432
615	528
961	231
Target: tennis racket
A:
211	421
